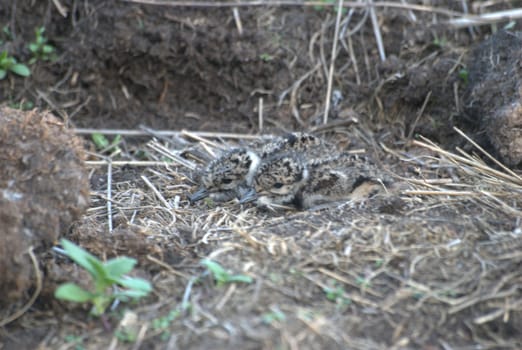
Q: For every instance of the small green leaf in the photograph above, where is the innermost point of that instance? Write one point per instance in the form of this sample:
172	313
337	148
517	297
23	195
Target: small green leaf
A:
133	294
116	140
240	278
3	73
464	75
118	267
100	273
219	273
270	317
79	256
100	140
47	49
8	62
20	69
33	47
73	292
137	284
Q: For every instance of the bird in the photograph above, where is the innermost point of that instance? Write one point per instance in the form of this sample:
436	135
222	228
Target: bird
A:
231	175
288	179
342	177
278	181
299	142
224	177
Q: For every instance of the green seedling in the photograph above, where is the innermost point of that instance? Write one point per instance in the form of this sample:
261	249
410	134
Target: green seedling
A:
222	276
40	49
327	2
209	202
363	282
270	317
337	295
126	336
378	263
161	324
9	64
440	42
464	75
103	144
106	276
7	32
5	35
23	105
266	57
74	341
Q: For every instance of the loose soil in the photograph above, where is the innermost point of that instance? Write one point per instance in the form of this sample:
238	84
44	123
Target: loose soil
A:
434	265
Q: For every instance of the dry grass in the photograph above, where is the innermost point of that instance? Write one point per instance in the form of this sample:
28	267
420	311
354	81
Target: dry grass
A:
441	267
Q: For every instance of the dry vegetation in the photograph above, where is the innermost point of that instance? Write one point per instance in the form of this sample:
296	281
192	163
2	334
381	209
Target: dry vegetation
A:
436	263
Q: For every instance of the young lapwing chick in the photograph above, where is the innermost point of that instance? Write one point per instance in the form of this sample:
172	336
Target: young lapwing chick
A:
278	181
224	177
289	179
343	177
230	175
298	142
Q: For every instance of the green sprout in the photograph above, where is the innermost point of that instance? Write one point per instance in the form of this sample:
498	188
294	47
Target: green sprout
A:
22	105
40	49
106	276
103	144
276	315
209	202
161	324
5	35
74	341
440	42
222	276
363	282
9	64
266	57
464	75
125	335
327	2
7	32
337	295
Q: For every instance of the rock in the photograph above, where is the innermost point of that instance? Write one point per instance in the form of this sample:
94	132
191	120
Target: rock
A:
493	97
43	188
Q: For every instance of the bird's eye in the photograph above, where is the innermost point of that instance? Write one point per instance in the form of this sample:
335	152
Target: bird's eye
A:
278	185
226	181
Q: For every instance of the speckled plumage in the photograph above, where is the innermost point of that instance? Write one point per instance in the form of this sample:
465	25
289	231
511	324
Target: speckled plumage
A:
224	177
230	175
309	145
337	178
279	180
291	179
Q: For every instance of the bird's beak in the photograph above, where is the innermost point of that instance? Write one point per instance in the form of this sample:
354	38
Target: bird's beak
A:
198	195
248	196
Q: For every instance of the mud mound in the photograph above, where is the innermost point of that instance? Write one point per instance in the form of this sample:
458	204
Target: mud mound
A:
43	188
494	94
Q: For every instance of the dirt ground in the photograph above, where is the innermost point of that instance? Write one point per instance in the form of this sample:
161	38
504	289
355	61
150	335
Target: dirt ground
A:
434	265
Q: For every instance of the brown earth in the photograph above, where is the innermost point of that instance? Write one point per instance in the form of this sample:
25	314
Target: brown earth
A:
433	266
44	188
